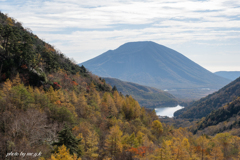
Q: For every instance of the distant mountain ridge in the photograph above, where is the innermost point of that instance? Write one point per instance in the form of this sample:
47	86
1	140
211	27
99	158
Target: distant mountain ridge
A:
146	96
148	63
232	75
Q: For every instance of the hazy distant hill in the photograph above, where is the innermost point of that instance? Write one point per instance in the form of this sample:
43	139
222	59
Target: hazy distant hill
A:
151	64
212	102
146	96
232	75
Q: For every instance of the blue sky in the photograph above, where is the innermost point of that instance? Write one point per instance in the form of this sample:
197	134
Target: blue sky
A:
206	31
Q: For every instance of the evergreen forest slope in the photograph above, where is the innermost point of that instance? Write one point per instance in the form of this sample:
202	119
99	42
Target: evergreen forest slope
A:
206	105
22	51
146	96
223	119
57	110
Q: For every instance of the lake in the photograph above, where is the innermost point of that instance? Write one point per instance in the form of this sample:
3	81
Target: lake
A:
167	111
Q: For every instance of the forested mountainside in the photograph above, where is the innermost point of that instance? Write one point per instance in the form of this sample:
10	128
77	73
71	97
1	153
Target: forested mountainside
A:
204	106
226	118
232	75
22	51
57	111
146	96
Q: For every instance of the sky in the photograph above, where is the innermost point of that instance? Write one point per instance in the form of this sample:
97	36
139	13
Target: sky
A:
206	31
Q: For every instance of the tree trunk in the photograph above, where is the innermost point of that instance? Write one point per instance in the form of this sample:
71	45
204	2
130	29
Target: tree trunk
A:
1	72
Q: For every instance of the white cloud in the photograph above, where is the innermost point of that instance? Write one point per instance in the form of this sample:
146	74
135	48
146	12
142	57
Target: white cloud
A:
77	26
60	14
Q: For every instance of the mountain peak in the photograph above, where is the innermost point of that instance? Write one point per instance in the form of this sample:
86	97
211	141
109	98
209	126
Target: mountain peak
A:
139	44
134	46
151	64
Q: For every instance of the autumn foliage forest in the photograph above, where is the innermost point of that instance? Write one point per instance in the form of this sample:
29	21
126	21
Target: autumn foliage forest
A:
49	105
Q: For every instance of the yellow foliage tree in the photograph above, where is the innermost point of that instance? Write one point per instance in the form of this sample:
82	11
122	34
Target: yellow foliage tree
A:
157	128
177	150
185	144
108	105
224	140
63	154
202	144
71	108
132	141
140	136
162	153
91	144
93	96
7	86
61	96
52	95
30	89
74	97
216	153
131	108
10	21
16	80
36	90
81	107
118	100
113	141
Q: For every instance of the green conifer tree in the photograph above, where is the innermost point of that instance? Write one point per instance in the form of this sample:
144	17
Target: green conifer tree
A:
65	137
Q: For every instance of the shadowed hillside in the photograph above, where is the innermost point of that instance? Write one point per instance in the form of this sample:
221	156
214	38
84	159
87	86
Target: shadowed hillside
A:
220	120
212	102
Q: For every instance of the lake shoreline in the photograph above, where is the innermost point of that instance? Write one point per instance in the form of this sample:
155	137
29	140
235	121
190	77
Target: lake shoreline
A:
167	111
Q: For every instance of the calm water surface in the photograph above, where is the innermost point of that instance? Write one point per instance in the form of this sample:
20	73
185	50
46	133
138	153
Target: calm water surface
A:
167	111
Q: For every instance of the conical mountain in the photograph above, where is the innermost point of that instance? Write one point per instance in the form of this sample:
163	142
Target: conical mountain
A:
151	64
